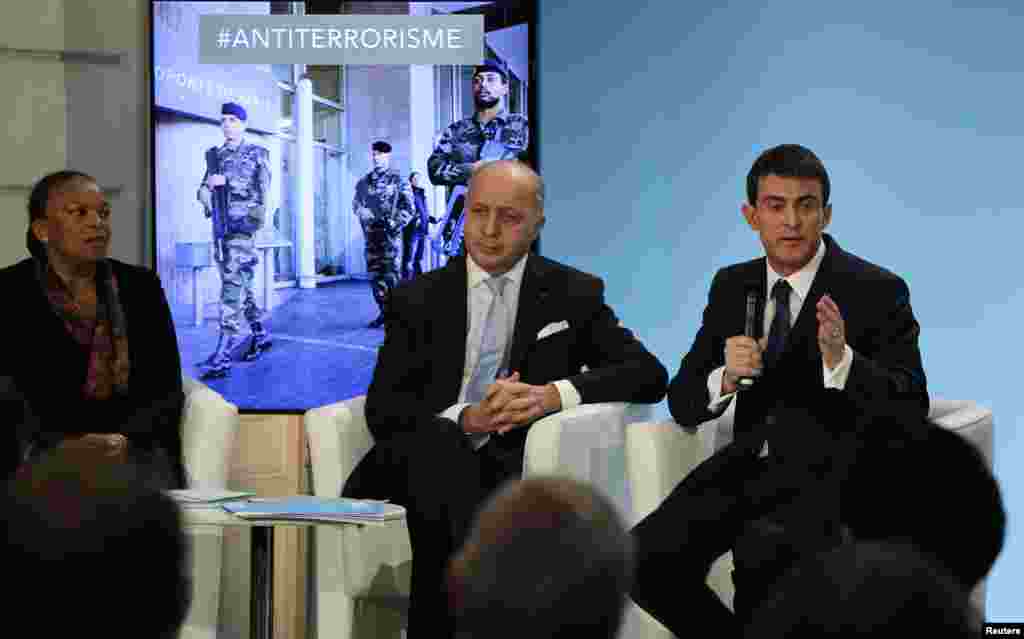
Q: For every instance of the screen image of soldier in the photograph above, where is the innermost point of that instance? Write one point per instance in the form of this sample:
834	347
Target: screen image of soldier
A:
384	205
234	195
490	134
415	232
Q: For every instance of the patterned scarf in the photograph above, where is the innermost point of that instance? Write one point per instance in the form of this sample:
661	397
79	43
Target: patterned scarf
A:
105	336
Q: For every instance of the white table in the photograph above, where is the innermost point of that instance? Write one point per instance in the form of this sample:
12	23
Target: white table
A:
261	585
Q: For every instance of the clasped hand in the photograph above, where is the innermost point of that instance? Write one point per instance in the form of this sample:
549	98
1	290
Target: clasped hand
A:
510	404
108	444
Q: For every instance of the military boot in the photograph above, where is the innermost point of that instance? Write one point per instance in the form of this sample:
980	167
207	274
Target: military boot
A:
219	364
261	341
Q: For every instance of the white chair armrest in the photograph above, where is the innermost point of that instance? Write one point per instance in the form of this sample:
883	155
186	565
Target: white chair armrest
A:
337	433
658	456
543	443
208	430
971	421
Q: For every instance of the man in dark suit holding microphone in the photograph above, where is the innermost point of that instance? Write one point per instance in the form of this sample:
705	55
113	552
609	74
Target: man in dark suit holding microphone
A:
835	338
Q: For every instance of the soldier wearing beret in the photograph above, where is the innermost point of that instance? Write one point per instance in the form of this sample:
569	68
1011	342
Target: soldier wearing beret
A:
384	205
490	134
244	171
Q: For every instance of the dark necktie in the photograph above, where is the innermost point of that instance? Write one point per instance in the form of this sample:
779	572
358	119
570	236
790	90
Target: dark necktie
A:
779	330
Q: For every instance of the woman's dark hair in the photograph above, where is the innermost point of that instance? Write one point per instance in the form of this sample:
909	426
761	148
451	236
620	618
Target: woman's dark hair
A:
38	200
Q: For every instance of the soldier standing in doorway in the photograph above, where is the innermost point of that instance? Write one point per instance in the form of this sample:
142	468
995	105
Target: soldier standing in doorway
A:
234	193
384	205
490	134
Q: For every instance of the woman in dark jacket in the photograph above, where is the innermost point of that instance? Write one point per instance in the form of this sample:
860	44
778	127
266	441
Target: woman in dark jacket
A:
91	346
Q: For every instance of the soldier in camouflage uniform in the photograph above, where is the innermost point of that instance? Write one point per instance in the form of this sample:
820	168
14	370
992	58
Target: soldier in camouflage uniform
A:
384	205
245	170
490	134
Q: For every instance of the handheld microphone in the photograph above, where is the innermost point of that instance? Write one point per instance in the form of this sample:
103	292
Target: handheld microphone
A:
749	329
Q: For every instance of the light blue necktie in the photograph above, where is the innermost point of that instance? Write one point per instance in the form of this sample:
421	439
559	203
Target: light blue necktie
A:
493	343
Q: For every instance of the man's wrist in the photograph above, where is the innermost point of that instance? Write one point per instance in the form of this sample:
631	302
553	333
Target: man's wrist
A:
552	402
728	384
466	418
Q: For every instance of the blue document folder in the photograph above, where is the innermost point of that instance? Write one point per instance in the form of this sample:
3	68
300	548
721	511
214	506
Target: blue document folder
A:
309	508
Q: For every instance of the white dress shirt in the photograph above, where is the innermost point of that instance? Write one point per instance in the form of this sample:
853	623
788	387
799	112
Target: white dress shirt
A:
801	284
478	302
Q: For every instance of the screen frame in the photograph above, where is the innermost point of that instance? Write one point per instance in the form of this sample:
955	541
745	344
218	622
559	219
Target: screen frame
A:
528	8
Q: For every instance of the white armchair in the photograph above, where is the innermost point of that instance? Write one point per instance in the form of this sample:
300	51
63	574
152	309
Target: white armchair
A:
208	428
362	573
659	455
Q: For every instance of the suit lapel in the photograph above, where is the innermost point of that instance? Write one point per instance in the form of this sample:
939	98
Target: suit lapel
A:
451	326
533	296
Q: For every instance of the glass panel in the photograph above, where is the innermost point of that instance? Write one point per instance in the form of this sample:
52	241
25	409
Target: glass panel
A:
283	73
515	104
286	124
321	232
283	218
326	124
326	80
466	81
443	109
329	220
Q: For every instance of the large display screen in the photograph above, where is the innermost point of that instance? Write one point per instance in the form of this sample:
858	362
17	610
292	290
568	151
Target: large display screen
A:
274	214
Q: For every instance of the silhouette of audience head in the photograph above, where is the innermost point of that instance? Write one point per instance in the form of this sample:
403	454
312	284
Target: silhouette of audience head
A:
91	550
546	558
866	589
928	486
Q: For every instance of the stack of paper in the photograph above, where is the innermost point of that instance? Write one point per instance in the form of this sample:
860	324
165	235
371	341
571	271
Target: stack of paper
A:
193	496
309	508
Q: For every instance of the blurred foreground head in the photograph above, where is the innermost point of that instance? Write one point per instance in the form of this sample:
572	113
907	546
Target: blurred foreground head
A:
546	558
921	484
866	589
93	551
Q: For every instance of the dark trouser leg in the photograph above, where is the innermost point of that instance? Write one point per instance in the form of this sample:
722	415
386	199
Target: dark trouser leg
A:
677	543
383	264
232	291
417	258
408	250
441	481
794	512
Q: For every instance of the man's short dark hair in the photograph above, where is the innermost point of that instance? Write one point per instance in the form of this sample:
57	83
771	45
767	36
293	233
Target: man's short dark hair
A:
562	567
928	486
866	589
787	160
93	549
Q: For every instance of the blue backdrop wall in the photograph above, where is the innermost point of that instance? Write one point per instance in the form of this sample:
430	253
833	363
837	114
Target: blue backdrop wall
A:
653	112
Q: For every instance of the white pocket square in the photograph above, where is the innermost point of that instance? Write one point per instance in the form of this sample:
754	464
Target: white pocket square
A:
552	328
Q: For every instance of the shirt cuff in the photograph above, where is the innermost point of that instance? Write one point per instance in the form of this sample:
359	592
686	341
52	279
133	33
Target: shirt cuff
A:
454	412
569	395
836	378
718	401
